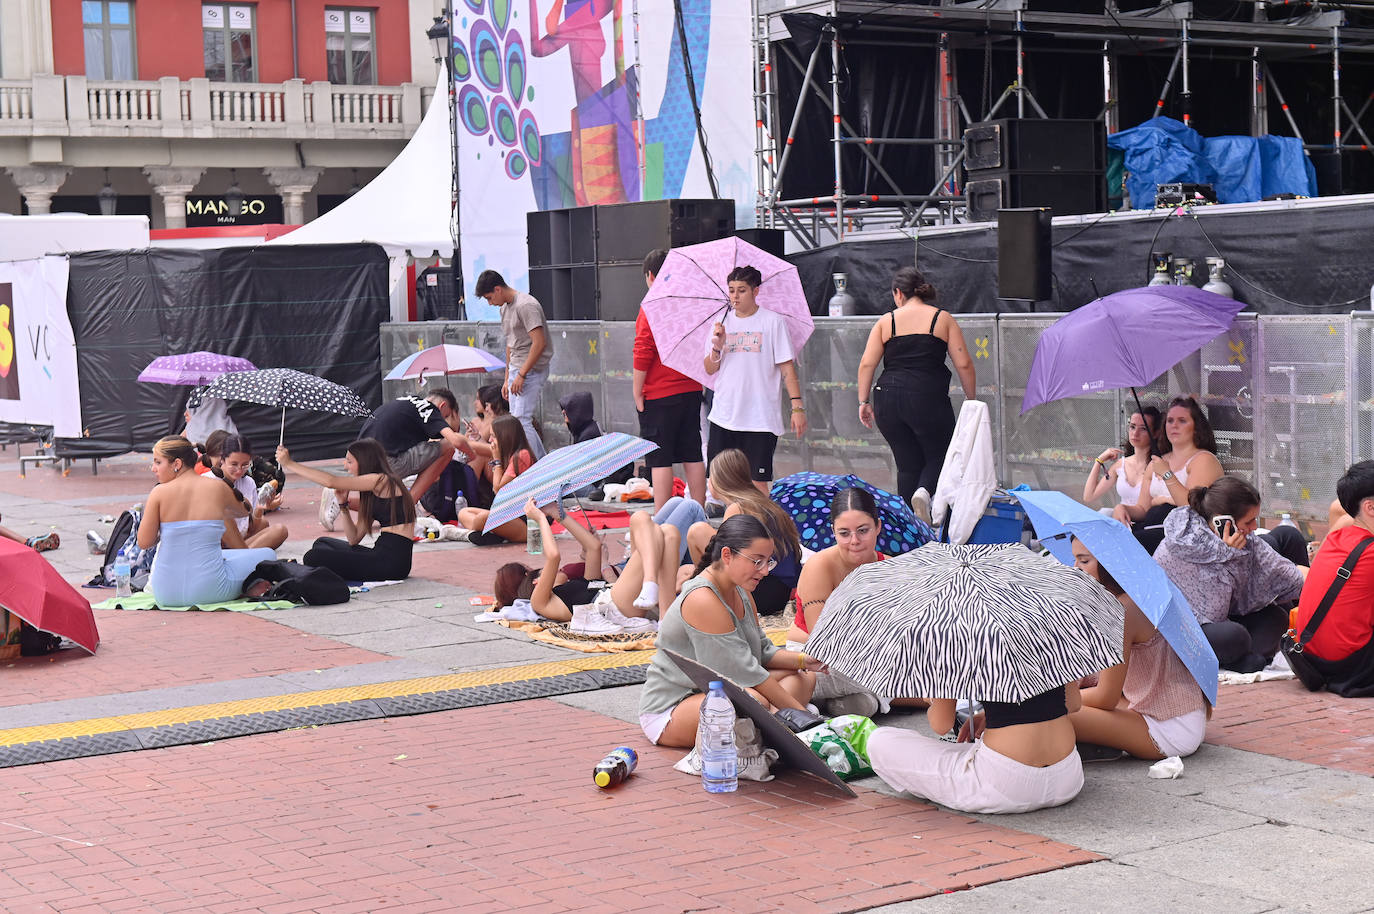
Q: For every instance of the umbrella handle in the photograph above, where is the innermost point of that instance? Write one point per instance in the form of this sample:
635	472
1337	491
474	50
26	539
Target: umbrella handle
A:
281	438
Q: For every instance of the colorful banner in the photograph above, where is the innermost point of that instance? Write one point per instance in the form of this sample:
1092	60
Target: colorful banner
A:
38	384
549	99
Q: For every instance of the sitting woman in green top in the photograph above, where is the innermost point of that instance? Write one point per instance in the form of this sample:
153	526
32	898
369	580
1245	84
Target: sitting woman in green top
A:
713	621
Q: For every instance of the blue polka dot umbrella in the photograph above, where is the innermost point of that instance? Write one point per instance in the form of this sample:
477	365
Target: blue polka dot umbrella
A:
807	496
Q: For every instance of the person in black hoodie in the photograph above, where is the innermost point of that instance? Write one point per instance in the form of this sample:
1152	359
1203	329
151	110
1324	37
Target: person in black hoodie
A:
579	416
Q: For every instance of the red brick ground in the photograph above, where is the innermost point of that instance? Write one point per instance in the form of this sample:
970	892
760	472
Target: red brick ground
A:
150	650
442	812
1285	720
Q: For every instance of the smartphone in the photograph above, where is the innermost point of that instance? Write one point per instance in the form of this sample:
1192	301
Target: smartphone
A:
1223	524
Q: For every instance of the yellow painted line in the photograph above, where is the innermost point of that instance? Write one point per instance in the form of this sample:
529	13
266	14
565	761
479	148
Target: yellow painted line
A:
395	688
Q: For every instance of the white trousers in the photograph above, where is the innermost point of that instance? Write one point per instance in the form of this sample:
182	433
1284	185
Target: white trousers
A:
969	776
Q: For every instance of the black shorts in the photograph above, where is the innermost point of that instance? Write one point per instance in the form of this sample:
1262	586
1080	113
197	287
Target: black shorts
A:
757	446
674	424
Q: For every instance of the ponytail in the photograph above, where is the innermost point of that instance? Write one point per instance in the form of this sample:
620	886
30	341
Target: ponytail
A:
736	534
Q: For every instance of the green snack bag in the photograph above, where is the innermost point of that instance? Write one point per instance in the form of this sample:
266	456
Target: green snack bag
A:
836	752
854	730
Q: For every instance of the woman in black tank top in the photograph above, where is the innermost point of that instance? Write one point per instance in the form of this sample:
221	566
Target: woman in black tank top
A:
911	401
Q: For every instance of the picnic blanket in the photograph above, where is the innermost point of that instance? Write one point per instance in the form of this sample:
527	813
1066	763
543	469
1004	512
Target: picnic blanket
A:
596	520
145	600
559	635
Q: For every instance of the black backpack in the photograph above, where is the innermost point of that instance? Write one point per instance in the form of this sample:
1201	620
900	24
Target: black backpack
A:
125	536
298	583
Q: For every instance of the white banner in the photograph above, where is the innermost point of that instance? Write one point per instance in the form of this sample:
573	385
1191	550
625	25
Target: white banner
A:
550	105
38	383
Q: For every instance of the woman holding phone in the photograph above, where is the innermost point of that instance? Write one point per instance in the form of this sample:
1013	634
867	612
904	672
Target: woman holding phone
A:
1239	584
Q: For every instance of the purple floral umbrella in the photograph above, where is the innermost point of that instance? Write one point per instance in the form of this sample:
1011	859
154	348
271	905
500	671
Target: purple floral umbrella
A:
192	368
688	297
1126	339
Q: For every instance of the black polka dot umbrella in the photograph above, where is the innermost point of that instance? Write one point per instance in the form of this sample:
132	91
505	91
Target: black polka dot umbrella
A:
285	387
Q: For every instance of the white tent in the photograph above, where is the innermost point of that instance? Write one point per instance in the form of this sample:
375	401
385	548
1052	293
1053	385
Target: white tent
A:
406	207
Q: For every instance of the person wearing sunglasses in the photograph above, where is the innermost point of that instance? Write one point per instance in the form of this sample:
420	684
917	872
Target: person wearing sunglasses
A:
713	621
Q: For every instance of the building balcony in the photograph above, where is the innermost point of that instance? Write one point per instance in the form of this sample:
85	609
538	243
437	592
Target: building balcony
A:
73	106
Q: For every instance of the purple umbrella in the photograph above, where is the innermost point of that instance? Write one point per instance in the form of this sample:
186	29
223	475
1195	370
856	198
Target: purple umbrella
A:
688	297
192	368
1126	339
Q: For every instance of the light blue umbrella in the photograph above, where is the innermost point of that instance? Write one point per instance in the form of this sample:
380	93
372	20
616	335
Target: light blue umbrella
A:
1056	518
563	471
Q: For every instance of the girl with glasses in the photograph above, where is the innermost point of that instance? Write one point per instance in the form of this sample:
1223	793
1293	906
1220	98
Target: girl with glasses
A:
714	622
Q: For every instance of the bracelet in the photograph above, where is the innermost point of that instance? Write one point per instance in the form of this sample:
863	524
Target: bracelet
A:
343	504
801	660
796	398
865	402
799	409
1098	461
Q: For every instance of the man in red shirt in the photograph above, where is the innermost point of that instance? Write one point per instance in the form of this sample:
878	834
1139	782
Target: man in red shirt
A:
1342	643
669	405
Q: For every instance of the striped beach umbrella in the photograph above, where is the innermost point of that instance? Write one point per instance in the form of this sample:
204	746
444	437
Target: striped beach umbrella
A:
987	622
565	470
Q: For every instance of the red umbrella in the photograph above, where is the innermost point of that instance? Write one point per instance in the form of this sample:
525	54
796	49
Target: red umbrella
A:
34	591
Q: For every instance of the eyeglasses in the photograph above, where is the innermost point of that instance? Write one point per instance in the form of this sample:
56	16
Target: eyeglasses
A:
759	562
860	533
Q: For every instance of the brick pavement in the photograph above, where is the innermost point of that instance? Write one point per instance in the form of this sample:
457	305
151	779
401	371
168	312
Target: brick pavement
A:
1283	719
148	650
443	812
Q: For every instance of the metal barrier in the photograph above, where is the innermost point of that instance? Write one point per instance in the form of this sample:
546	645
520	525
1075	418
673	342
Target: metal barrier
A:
1291	398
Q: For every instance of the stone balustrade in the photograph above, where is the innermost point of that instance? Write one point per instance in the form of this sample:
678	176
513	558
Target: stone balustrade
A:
73	106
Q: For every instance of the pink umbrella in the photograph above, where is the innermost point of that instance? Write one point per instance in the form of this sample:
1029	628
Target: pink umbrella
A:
448	358
688	297
34	591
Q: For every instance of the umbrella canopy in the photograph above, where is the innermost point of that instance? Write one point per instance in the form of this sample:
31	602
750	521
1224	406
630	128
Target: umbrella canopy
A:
806	497
563	470
689	295
448	358
1056	518
285	387
34	591
1126	339
993	623
192	368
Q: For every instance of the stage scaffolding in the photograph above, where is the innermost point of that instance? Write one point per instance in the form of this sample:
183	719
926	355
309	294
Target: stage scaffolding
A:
950	28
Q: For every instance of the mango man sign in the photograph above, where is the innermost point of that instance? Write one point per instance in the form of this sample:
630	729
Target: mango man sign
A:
203	210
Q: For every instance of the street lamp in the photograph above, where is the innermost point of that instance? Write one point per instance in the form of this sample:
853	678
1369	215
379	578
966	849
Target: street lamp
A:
108	196
234	196
439	40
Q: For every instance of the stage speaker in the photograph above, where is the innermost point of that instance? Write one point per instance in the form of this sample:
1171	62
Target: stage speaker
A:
774	241
1023	255
1066	193
1036	144
626	232
619	290
567	293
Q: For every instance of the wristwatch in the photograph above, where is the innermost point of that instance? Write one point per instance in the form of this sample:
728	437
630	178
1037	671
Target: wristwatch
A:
1168	475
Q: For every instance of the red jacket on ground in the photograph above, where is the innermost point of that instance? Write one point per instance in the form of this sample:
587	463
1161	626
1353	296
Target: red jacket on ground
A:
660	380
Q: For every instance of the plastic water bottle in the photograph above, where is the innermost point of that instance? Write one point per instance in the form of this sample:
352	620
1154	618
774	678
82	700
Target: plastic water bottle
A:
266	492
534	538
1286	520
616	767
716	742
123	576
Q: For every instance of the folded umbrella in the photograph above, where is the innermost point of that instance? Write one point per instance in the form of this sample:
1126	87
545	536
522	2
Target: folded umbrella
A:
286	387
992	623
34	591
1126	339
564	470
445	359
689	295
806	497
1056	518
192	368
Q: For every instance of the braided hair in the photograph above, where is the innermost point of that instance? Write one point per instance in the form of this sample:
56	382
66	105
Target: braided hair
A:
736	534
233	444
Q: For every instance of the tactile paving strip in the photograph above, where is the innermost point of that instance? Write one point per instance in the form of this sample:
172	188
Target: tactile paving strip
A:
206	723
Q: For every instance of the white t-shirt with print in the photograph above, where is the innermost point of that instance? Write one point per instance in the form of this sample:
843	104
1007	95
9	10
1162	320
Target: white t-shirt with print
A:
748	384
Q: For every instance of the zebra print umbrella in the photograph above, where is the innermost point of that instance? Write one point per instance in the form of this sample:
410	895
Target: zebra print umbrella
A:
993	623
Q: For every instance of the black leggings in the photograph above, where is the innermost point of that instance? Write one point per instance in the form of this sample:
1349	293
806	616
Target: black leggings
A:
918	425
387	560
1247	643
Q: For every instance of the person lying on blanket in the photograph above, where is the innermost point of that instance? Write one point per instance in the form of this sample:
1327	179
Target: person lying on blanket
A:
588	603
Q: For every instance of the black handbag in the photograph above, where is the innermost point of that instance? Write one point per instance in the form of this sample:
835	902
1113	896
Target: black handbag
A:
1351	677
299	583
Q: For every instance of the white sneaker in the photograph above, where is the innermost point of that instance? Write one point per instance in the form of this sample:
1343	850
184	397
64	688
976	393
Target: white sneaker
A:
614	616
864	704
590	620
451	533
329	508
920	504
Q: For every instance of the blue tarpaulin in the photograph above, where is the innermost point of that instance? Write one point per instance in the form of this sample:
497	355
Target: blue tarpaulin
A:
1241	169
